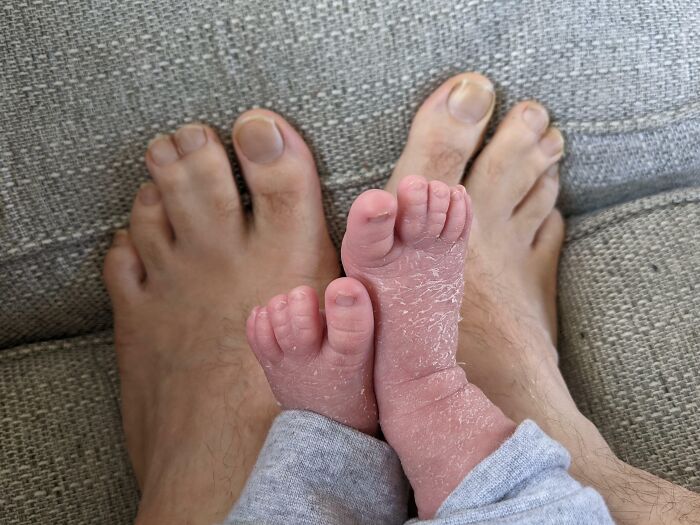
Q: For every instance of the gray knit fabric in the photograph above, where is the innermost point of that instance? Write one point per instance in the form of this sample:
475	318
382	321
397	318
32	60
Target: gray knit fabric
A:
313	471
629	298
85	85
62	456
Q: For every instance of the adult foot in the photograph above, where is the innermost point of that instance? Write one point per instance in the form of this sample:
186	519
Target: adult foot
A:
507	340
410	255
316	362
509	330
196	406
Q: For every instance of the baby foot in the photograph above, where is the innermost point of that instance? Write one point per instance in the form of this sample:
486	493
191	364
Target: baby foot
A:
316	362
410	255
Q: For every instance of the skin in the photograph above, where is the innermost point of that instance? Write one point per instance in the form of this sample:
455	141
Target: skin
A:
507	340
409	252
196	405
320	361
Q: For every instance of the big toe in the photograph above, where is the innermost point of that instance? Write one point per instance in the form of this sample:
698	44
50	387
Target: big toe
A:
447	130
281	175
369	237
350	321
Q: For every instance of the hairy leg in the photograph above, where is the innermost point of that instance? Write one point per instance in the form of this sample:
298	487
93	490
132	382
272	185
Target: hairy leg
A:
507	342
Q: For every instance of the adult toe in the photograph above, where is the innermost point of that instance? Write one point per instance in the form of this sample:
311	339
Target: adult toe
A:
193	174
281	175
447	130
150	230
523	148
123	271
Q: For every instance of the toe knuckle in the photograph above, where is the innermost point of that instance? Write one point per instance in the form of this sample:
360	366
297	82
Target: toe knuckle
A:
446	161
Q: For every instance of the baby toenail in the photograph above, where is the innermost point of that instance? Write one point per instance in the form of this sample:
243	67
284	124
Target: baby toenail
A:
281	305
260	140
536	118
552	144
380	217
163	151
343	299
149	194
190	138
470	101
297	295
440	192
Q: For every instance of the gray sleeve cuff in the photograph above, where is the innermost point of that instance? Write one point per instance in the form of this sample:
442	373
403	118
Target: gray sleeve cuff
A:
525	481
314	470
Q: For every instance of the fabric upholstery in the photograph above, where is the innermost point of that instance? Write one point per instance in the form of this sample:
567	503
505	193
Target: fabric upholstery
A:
85	85
629	297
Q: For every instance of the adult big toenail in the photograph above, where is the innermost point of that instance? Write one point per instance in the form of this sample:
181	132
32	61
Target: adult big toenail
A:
190	138
470	101
149	194
536	118
260	140
343	299
163	151
552	144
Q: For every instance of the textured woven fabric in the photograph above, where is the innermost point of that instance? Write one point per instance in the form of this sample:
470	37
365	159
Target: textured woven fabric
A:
313	470
62	457
85	85
629	300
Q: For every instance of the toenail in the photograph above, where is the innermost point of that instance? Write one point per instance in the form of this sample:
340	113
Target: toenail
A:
380	217
149	194
297	295
163	151
190	138
343	299
552	144
260	140
470	101
281	305
536	118
439	191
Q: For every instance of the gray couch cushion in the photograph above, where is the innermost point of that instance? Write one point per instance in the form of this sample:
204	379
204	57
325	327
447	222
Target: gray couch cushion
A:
62	457
630	338
629	349
86	85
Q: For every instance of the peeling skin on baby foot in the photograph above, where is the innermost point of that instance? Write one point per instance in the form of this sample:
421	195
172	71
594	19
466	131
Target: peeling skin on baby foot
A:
316	362
412	262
